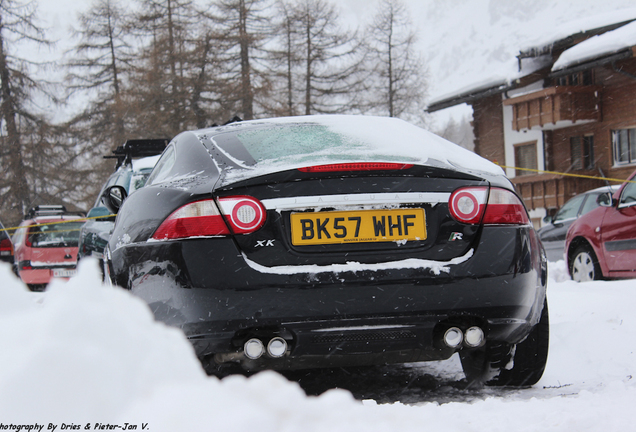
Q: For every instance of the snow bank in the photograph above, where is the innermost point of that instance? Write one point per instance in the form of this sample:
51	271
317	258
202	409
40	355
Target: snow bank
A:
82	353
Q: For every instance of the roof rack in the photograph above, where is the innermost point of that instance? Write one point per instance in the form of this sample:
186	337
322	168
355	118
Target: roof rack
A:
49	210
137	148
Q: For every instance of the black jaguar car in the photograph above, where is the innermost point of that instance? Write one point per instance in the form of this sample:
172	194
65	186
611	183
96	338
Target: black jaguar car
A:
326	241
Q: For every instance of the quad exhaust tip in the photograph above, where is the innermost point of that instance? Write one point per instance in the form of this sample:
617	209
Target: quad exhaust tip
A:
472	338
453	337
277	347
254	348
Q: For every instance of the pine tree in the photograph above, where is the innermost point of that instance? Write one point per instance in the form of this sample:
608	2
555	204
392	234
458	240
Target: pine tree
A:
100	67
328	55
396	75
21	124
243	28
161	84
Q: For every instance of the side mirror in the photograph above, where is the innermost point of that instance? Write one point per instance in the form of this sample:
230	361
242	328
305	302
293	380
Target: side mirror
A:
547	219
114	197
605	200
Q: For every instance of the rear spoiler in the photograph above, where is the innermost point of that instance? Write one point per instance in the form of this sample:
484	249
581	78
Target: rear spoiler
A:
137	148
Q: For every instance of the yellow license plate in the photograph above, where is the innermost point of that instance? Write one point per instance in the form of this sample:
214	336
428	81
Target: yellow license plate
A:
358	226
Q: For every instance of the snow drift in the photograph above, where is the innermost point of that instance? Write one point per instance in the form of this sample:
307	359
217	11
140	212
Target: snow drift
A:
82	354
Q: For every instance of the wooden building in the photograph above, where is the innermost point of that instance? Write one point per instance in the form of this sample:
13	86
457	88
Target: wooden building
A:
570	109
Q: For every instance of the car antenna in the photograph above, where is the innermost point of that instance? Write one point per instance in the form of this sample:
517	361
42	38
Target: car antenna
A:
603	175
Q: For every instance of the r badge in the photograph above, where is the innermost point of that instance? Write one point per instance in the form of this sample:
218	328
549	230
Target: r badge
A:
455	236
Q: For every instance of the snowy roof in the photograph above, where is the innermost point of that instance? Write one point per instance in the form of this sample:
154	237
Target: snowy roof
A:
497	69
598	46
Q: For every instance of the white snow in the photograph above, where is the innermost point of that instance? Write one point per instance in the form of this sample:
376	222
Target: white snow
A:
82	353
145	163
606	43
357	138
474	43
435	267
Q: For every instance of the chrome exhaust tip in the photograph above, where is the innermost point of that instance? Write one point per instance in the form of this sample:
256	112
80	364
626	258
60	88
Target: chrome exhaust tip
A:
254	349
277	347
453	337
474	337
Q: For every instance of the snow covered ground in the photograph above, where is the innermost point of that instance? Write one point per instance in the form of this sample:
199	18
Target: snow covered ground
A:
85	356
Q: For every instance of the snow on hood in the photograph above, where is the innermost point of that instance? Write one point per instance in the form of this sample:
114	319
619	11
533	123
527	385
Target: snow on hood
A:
347	139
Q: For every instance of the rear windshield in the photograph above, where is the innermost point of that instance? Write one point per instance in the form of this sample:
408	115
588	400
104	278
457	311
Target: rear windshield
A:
55	235
260	147
302	143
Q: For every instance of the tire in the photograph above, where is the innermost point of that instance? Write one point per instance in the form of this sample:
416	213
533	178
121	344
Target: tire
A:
517	365
584	266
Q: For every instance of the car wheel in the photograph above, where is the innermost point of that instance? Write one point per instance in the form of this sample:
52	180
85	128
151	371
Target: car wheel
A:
517	365
584	266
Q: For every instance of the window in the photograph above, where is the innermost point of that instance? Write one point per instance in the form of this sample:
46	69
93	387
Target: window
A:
162	169
580	78
570	209
582	152
624	146
526	157
628	195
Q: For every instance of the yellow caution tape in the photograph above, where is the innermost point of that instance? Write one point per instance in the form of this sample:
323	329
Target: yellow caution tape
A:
568	174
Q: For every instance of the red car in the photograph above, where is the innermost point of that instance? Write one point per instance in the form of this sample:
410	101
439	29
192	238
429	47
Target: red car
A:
602	243
46	246
6	247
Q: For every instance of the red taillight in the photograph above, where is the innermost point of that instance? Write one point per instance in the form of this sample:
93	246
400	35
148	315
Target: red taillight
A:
505	208
197	219
5	245
243	214
469	204
356	166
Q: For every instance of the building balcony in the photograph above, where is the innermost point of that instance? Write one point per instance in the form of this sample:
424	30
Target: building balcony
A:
556	107
551	191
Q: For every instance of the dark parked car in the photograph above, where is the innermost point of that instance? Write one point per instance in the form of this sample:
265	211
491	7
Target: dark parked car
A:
553	235
326	241
135	160
602	244
6	246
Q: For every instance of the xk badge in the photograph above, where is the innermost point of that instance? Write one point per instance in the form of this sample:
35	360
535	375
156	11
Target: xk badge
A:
263	243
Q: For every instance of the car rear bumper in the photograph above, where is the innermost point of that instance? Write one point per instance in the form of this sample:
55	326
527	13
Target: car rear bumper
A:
44	275
393	314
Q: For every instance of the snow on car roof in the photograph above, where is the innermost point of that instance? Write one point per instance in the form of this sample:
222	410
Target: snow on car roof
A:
294	142
147	162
